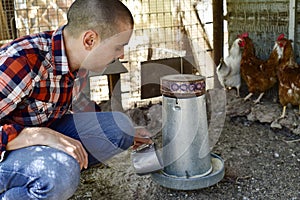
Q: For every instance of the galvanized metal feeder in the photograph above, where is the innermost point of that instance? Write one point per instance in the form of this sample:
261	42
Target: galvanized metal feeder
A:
188	162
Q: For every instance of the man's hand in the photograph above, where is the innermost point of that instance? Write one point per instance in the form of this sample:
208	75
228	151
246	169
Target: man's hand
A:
142	136
48	137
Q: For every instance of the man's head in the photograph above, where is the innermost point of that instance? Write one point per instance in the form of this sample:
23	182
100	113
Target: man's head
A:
96	33
102	16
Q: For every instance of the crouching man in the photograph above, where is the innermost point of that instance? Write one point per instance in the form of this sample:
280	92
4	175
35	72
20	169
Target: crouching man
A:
49	131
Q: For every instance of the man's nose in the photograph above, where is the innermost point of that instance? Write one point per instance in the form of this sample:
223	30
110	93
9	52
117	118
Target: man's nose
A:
121	56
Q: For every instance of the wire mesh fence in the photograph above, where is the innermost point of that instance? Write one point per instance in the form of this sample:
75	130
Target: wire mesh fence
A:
7	19
264	20
40	15
165	30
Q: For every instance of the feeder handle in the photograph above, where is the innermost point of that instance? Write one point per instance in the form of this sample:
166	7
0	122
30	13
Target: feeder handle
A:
142	136
143	146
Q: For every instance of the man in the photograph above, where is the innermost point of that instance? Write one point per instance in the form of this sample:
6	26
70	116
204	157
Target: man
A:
46	138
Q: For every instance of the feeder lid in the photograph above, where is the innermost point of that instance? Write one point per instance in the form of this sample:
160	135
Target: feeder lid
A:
182	85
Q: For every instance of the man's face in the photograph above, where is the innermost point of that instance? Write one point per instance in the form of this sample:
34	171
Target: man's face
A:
107	51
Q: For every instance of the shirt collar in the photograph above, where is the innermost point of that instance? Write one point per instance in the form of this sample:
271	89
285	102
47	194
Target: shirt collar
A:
59	53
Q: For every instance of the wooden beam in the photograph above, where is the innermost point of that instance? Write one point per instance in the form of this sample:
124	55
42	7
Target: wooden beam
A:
218	30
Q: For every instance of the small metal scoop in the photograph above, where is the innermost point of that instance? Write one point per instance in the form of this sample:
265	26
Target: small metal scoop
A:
145	159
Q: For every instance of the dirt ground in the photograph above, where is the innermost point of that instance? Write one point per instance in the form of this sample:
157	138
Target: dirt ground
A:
261	156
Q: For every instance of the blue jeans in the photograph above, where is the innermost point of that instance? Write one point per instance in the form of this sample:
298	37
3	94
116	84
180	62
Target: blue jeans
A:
41	172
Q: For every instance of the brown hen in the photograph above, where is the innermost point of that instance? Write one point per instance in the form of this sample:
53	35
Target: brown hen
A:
259	75
288	73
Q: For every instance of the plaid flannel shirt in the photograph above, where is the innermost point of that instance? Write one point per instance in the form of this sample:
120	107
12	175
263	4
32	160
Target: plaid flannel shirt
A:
36	86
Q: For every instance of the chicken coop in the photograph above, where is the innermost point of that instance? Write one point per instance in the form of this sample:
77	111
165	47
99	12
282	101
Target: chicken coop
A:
170	36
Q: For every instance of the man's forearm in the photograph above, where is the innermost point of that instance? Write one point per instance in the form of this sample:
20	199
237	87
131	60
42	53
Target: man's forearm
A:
46	136
31	136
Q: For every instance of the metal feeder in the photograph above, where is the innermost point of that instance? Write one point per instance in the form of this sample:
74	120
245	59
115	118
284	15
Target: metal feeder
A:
188	162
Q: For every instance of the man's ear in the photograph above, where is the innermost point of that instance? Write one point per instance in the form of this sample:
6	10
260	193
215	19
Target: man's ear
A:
90	38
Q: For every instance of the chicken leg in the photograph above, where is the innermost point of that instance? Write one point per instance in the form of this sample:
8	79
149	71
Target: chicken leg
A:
248	96
237	92
259	97
283	112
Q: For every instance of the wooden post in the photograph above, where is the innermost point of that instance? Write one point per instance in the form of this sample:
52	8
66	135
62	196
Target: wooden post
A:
114	86
218	35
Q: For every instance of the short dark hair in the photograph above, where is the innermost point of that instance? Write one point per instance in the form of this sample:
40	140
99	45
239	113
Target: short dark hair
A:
102	16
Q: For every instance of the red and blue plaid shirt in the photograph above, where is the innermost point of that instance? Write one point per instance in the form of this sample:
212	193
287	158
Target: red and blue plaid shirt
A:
36	85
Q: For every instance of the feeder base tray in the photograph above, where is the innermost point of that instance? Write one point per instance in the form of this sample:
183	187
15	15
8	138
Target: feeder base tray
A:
192	183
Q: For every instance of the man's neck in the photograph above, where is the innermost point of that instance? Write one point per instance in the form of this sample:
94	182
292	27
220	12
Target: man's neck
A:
72	52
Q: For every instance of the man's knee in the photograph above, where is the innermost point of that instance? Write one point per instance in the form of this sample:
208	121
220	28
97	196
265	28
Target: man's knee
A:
62	174
58	177
39	172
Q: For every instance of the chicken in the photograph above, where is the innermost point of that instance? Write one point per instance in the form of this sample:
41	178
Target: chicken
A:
228	70
258	74
288	73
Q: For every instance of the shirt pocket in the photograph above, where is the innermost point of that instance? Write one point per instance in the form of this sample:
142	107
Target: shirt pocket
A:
40	112
32	112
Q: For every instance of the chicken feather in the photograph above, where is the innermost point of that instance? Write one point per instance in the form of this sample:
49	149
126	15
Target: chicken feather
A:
228	70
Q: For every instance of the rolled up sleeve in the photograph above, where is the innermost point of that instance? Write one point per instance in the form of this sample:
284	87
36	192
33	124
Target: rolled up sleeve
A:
8	132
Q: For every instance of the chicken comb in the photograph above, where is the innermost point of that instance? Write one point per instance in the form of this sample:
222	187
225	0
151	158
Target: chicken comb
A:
280	37
245	35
